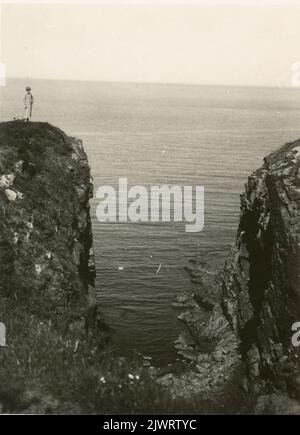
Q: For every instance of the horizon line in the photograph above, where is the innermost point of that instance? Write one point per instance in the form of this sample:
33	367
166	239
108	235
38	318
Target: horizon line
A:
140	82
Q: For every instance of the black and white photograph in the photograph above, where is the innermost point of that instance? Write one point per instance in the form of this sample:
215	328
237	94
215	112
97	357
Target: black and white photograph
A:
150	210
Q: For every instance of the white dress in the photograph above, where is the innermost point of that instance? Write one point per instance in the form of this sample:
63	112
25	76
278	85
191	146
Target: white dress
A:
28	102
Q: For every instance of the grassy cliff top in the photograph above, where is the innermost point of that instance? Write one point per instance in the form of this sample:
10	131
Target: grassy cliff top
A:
31	140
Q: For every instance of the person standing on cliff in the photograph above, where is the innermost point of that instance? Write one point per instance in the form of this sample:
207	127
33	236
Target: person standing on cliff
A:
28	102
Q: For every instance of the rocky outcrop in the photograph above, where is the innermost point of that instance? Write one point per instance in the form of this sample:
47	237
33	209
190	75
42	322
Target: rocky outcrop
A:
261	279
243	356
47	270
45	235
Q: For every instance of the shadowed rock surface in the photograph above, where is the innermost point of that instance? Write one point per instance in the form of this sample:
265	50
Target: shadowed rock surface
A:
261	281
244	351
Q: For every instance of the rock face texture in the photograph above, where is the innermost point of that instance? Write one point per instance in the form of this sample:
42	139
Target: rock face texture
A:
243	357
45	235
47	269
261	279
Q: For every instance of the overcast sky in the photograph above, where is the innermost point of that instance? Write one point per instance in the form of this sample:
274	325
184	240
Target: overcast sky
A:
173	43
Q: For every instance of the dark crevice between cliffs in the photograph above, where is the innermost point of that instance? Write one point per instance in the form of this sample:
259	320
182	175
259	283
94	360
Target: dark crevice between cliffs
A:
260	267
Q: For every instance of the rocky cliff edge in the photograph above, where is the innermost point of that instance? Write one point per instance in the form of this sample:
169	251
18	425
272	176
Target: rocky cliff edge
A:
243	358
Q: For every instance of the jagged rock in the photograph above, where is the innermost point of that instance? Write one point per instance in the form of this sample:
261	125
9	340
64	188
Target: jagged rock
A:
248	332
7	180
38	269
203	300
18	167
262	300
15	238
253	362
10	194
